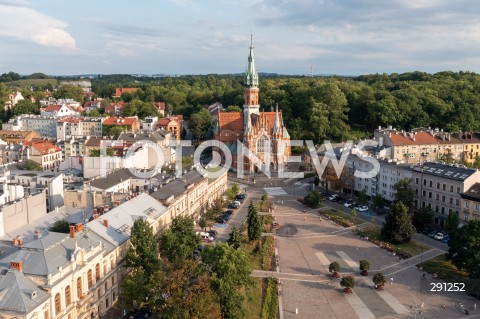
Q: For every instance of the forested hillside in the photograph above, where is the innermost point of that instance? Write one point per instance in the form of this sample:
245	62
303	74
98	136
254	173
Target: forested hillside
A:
325	107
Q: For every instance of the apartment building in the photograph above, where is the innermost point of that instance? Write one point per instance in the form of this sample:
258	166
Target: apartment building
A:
73	147
471	203
17	137
441	186
56	110
128	124
78	127
471	146
47	155
45	126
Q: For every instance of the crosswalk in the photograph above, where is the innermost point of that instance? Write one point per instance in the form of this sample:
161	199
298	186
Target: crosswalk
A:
274	191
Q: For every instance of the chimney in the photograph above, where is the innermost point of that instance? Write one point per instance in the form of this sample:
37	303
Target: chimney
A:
17	241
105	223
38	234
72	231
78	227
16	265
116	203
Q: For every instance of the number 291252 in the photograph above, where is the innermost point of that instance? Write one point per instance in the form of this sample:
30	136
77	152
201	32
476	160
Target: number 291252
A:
447	286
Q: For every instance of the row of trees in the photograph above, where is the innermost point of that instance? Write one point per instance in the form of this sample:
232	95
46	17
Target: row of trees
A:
327	107
163	274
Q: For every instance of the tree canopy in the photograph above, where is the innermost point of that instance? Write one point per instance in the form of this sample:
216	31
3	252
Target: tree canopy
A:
398	226
180	240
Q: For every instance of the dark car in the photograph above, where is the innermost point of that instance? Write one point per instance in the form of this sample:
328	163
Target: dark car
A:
228	212
213	233
241	197
341	200
221	220
226	217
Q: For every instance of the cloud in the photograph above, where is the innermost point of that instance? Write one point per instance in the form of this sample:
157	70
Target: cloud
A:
22	22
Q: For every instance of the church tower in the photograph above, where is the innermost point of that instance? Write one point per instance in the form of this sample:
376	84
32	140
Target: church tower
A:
251	105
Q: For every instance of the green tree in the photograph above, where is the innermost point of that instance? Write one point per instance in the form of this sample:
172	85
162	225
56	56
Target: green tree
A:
313	199
115	131
364	266
452	222
202	222
235	189
334	268
348	282
231	275
404	193
254	227
30	165
143	252
378	201
199	123
379	279
190	294
398	224
60	226
143	266
464	246
180	240
233	108
235	238
423	217
353	213
68	91
362	196
25	107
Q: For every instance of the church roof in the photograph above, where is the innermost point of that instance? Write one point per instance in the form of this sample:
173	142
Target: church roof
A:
232	121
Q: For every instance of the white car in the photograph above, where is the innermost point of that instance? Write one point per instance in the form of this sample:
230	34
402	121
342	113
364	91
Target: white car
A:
438	236
332	197
362	208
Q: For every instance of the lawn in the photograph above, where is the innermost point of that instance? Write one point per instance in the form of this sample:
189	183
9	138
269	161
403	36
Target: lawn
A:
411	248
253	301
444	268
343	219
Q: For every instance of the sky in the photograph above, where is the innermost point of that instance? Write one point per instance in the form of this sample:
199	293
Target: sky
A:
343	37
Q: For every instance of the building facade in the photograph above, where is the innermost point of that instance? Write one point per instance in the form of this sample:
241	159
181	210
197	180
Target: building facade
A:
263	133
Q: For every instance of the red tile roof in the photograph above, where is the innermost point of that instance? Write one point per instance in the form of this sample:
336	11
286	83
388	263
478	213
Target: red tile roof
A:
120	91
51	108
45	147
407	139
159	105
232	121
119	121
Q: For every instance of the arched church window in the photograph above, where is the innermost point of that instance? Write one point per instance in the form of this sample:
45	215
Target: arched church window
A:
263	144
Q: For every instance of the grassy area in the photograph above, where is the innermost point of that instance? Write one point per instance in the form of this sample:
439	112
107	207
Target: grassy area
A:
409	249
253	301
253	253
444	268
342	218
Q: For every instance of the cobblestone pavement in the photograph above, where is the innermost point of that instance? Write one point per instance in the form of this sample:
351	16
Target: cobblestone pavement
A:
308	289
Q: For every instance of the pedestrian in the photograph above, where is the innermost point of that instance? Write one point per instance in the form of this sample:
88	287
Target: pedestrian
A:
423	276
444	306
391	281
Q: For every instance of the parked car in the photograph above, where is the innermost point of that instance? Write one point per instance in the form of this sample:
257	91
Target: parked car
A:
228	212
427	230
213	233
241	197
325	194
221	220
446	239
231	206
432	233
333	198
206	238
349	203
341	200
226	217
438	236
361	208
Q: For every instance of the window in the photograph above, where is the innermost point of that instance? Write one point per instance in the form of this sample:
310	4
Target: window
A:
451	188
68	296
424	193
467	204
431	184
89	278
113	280
263	144
106	302
114	297
416	180
437	196
106	286
46	314
79	287
465	216
451	200
444	186
443	198
424	182
458	189
438	185
429	194
58	304
457	202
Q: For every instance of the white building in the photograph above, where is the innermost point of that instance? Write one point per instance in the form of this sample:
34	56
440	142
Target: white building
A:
58	110
78	127
150	123
45	126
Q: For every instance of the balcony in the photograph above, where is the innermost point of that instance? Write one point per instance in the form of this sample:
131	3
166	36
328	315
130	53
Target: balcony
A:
87	298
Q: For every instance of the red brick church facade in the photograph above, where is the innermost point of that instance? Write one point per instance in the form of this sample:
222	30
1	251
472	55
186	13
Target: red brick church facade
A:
263	133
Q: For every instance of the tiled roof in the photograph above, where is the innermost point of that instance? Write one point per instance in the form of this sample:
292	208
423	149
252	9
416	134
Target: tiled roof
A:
112	179
51	108
419	138
120	91
159	105
119	121
473	193
45	147
232	121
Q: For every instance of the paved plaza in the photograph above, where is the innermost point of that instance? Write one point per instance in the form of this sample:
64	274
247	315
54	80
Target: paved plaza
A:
308	245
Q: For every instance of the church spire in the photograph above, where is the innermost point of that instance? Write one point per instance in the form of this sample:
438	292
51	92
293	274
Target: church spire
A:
251	76
276	124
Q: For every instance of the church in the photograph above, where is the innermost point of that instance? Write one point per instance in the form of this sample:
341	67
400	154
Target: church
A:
263	133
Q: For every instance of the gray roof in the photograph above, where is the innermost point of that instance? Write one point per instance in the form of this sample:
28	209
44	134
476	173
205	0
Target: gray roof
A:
446	171
18	293
473	193
45	255
111	179
178	186
153	136
121	218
